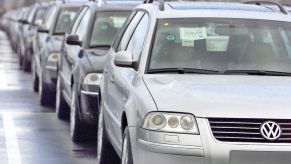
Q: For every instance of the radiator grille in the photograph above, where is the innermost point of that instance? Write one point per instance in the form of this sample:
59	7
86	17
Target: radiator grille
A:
246	130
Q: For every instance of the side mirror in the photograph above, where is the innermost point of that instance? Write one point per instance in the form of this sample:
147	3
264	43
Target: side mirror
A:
23	21
42	29
73	40
124	59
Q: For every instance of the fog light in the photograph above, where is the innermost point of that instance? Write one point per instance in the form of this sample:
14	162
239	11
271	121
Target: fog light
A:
93	79
52	61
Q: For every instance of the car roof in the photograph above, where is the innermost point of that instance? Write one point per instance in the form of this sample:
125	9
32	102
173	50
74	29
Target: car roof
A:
215	10
217	6
114	5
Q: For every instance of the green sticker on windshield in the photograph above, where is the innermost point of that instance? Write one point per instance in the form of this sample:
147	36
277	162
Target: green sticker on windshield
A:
171	37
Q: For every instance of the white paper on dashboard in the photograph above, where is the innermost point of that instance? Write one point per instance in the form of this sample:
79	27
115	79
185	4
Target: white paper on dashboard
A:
196	33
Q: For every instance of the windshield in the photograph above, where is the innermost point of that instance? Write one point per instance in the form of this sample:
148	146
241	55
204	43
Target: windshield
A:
222	44
106	26
65	18
39	14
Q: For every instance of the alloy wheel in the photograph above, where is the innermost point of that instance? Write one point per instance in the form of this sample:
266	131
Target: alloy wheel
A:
40	84
124	158
73	112
100	134
58	94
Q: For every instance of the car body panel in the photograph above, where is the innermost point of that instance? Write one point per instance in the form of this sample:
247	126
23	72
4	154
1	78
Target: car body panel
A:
130	93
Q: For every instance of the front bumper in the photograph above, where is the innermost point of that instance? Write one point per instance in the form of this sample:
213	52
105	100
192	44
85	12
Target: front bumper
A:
89	103
171	148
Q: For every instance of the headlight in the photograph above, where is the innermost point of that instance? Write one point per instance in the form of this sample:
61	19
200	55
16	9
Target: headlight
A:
92	79
52	60
171	122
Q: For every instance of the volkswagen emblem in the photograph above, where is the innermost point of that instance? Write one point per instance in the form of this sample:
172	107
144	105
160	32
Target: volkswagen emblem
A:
271	130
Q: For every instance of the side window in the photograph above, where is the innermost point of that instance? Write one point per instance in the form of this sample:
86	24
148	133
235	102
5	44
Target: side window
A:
77	20
49	21
137	40
122	30
82	28
128	32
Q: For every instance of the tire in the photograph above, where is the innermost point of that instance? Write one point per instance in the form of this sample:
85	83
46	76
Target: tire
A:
20	61
62	108
78	130
18	51
35	80
26	64
126	157
46	97
105	151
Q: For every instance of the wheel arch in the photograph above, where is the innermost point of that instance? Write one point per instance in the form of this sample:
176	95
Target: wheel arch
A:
124	122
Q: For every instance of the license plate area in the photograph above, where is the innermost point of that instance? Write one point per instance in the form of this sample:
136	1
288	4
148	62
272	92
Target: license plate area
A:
262	157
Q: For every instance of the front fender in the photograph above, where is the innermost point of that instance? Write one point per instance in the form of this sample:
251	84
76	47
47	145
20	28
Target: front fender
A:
138	103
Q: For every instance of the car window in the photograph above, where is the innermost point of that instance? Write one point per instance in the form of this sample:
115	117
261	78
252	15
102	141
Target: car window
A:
65	18
129	30
221	44
82	28
137	40
286	36
106	26
122	30
77	20
39	14
31	14
48	23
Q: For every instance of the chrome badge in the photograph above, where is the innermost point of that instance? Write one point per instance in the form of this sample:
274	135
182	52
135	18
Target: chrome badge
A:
271	130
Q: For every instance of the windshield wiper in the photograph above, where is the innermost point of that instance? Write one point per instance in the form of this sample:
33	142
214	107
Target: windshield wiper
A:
101	46
182	71
258	72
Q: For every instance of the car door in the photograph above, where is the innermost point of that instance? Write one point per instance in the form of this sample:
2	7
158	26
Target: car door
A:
71	57
65	65
131	41
43	37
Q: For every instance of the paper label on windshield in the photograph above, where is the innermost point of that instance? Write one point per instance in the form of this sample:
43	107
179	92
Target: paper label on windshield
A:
188	43
197	33
217	43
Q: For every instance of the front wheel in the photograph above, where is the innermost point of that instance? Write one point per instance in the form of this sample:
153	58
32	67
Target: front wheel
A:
26	64
62	108
105	151
126	157
46	97
79	130
35	79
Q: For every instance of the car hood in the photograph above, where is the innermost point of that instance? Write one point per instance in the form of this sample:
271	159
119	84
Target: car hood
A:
222	96
96	59
57	43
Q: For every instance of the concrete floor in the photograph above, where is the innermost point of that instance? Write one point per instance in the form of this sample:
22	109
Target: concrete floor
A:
29	133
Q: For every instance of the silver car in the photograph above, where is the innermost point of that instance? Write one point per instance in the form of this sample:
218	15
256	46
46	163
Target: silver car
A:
202	83
50	35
